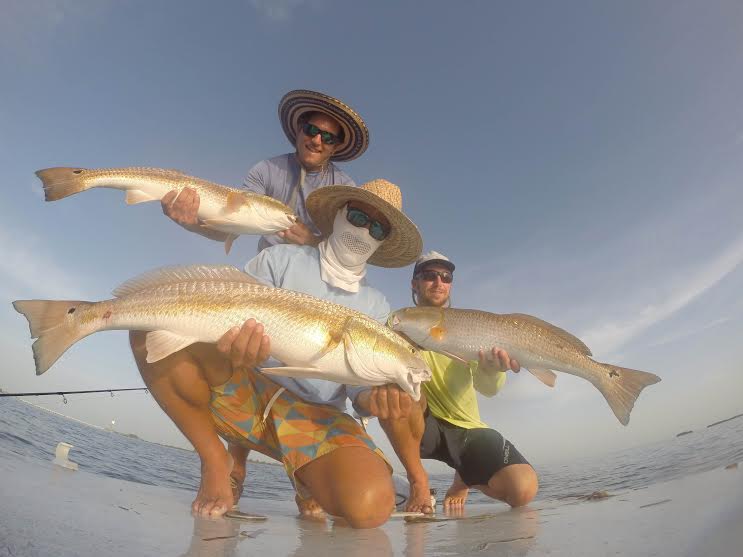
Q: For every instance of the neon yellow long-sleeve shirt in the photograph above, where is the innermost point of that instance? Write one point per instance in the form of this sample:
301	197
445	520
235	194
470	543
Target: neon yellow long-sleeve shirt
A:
451	392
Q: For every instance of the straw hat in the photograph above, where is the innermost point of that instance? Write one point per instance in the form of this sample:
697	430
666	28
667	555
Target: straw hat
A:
301	101
400	248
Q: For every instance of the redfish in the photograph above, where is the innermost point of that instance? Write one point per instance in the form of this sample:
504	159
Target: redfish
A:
230	210
537	345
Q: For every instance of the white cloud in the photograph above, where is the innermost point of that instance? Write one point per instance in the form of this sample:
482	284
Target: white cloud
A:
609	336
26	269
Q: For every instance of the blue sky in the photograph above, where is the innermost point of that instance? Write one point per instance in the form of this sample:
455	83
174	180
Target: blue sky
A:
579	161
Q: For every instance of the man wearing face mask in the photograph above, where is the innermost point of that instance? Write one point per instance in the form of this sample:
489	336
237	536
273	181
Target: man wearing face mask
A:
211	391
323	130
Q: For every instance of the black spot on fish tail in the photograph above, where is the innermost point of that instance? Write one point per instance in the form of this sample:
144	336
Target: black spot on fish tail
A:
71	310
613	373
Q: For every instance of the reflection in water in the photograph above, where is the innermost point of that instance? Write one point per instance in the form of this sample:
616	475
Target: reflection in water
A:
213	537
509	533
315	537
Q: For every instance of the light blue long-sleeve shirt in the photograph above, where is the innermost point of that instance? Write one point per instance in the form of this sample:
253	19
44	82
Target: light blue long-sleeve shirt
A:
298	268
277	177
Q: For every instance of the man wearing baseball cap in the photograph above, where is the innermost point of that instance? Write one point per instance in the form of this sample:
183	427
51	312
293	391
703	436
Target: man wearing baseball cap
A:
446	426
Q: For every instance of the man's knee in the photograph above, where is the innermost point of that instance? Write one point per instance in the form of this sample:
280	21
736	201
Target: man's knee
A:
374	505
523	488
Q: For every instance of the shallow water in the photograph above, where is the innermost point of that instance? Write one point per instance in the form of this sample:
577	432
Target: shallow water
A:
30	431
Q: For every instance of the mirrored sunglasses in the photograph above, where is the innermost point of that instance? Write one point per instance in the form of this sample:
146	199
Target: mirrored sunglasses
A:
359	218
430	276
311	130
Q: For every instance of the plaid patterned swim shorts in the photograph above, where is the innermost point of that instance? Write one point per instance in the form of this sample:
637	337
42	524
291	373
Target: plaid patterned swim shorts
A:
294	432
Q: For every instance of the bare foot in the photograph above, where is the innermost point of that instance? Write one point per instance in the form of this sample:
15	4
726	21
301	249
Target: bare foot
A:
456	496
419	500
309	508
215	495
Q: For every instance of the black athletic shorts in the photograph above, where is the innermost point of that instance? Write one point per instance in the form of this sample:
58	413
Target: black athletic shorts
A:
476	454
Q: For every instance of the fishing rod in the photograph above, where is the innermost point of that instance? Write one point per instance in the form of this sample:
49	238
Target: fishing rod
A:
63	393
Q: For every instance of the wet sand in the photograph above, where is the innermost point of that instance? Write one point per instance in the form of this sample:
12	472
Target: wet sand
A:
47	510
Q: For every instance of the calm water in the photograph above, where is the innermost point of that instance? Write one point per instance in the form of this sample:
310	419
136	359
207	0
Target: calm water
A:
30	431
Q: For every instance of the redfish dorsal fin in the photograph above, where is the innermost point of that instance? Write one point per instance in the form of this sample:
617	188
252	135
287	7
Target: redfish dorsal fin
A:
184	273
572	340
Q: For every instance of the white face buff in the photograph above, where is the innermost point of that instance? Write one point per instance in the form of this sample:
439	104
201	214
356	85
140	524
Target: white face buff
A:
344	254
352	245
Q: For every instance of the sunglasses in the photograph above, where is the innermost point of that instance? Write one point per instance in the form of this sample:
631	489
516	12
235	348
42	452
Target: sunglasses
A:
311	130
360	219
430	276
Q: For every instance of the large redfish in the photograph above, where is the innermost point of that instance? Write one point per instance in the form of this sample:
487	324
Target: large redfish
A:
183	305
537	345
230	210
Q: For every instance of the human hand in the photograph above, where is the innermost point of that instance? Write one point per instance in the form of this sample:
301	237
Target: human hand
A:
496	360
246	346
386	402
300	234
183	208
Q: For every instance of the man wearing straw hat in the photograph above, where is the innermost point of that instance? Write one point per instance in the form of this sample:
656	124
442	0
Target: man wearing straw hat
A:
323	130
211	391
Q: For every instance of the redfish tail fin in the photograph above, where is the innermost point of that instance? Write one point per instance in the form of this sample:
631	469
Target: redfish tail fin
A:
621	388
52	325
60	182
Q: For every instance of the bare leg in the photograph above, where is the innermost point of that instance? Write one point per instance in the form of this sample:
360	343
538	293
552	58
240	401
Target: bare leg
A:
180	385
405	436
456	495
516	485
239	456
352	483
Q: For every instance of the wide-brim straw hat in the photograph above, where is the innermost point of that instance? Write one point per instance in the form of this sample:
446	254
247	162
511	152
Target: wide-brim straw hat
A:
400	248
298	102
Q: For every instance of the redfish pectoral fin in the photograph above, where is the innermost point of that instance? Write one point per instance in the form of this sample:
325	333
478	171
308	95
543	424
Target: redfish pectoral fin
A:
228	241
138	196
453	356
437	332
161	344
546	376
304	372
235	200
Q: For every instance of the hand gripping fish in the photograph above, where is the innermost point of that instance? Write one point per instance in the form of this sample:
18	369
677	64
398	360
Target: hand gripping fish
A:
184	305
537	345
230	210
